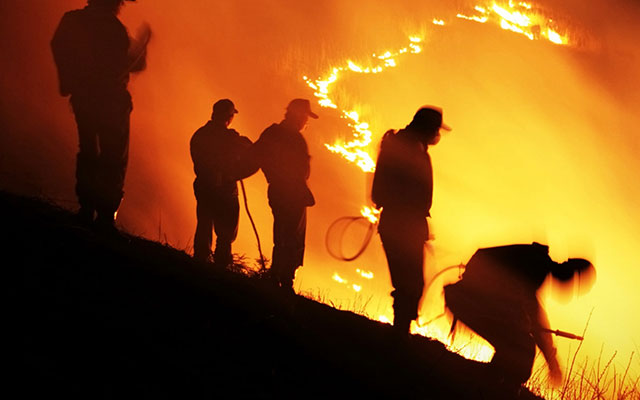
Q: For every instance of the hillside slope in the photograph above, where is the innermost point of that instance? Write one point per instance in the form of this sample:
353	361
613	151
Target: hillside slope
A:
107	317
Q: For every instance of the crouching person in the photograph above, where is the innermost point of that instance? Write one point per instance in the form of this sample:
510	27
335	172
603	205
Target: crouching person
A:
497	299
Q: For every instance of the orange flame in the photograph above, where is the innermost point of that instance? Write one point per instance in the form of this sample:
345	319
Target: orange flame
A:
371	214
356	150
521	18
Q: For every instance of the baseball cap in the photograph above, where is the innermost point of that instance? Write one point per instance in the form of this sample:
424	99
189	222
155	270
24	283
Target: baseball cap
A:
224	106
302	106
428	118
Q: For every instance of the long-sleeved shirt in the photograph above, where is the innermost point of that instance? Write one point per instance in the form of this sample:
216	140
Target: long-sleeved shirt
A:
216	152
91	51
283	154
403	181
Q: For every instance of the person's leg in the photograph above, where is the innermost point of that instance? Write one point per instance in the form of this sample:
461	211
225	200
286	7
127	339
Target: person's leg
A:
289	230
497	323
203	236
403	242
405	257
86	161
226	213
114	155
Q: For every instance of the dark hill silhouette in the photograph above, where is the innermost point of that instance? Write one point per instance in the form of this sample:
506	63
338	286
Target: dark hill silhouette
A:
105	317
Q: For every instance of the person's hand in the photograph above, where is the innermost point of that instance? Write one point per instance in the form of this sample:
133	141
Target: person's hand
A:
555	373
143	35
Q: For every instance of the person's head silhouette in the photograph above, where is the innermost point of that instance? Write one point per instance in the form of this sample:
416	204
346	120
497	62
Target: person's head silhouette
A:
223	112
427	122
111	5
574	273
298	113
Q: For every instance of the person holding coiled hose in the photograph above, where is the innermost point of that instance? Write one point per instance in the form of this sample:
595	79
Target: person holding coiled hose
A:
403	188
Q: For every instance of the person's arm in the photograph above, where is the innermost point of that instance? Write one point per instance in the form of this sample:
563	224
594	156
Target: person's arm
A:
63	55
138	49
246	163
380	190
544	341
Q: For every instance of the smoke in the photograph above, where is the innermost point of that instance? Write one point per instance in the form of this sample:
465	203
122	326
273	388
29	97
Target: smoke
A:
544	146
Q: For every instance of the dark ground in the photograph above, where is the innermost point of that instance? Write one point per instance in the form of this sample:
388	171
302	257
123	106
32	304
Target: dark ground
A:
109	318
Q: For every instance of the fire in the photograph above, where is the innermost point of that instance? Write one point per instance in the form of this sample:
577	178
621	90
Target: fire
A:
472	348
522	18
354	286
356	149
371	214
365	274
338	278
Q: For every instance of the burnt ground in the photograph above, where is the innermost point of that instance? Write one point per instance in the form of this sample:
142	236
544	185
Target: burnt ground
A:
124	317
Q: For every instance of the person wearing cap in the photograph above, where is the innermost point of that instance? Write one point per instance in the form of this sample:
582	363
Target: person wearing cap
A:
497	299
283	154
94	56
216	151
403	188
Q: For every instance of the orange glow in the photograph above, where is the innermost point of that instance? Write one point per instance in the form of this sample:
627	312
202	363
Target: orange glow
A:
544	145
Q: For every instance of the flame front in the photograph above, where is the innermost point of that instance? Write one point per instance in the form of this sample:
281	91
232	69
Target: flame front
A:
356	150
521	18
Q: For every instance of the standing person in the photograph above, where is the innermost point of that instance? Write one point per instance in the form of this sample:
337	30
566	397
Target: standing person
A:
216	151
403	187
94	56
283	154
497	298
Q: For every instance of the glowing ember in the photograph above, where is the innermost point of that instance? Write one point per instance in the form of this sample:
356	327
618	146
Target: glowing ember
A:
371	214
338	278
365	274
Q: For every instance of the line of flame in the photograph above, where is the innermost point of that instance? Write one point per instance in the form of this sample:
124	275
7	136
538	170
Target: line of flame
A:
355	150
520	18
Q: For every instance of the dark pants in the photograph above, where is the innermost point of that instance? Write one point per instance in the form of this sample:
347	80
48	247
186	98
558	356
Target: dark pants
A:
101	164
289	229
403	239
500	323
219	213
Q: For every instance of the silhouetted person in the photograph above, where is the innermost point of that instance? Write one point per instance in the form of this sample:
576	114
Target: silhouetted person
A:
282	153
403	187
94	56
496	298
216	151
